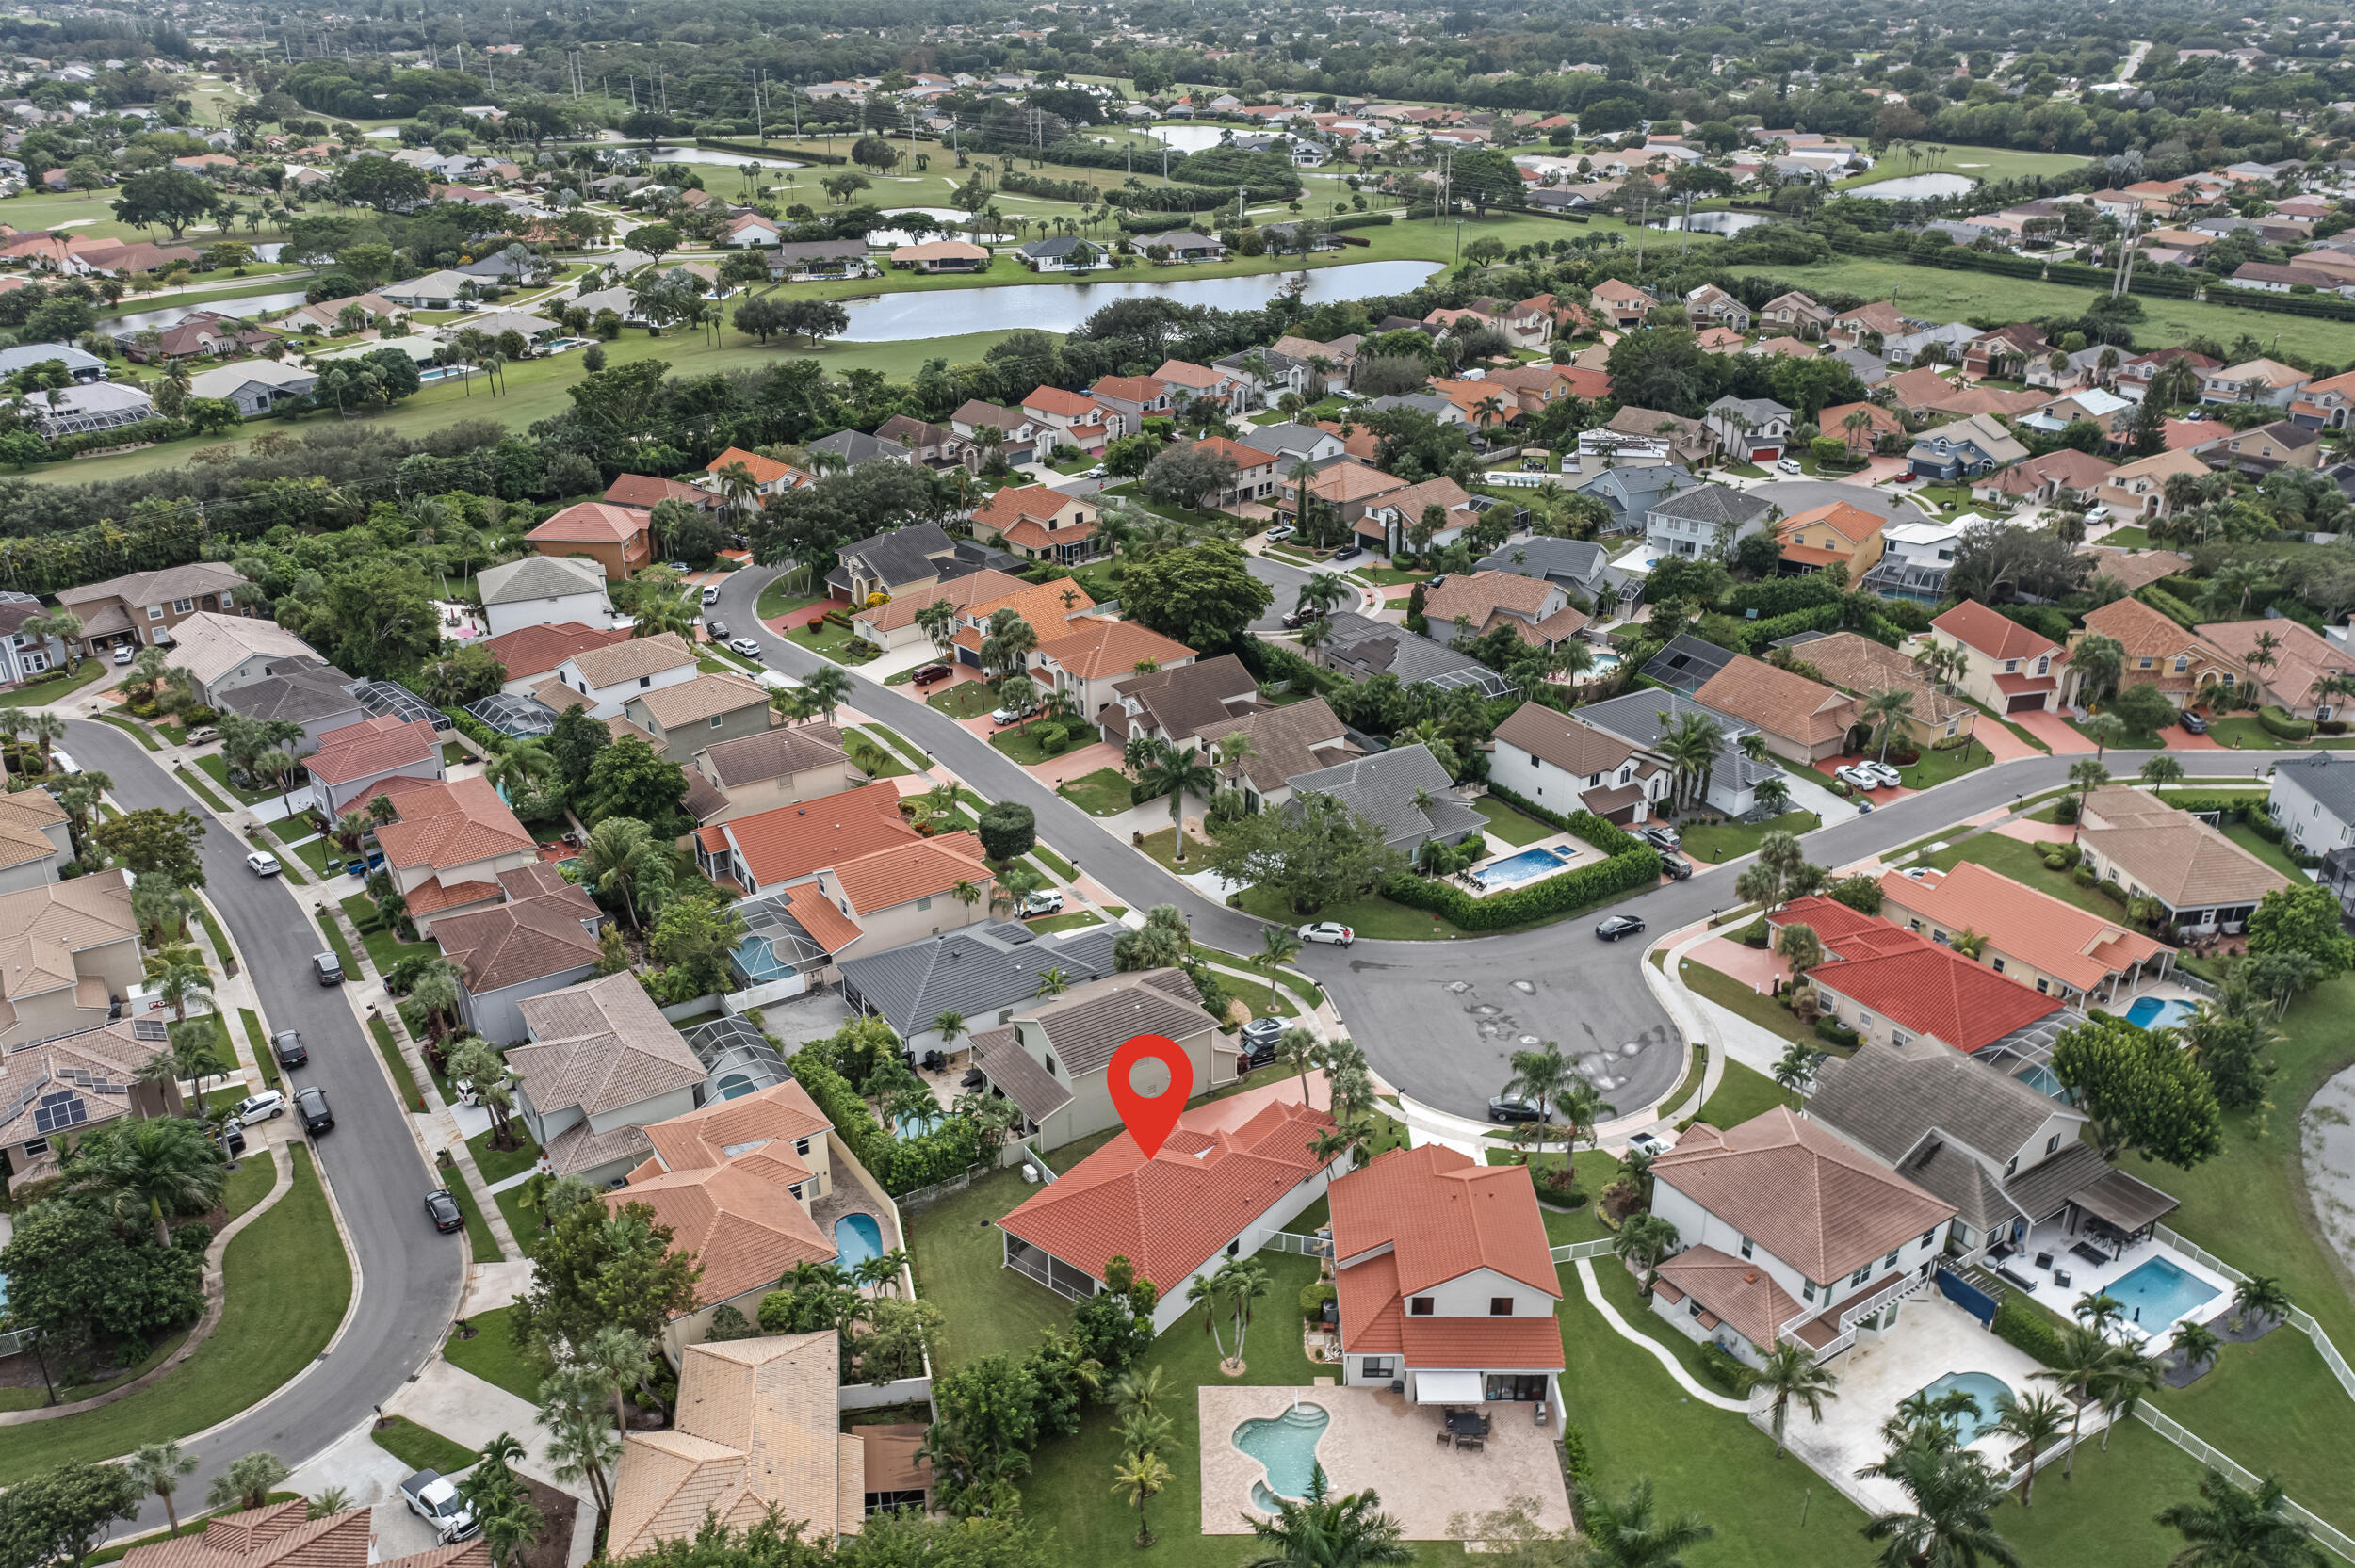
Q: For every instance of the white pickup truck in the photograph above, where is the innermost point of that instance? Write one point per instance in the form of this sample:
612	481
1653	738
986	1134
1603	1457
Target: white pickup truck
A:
433	1498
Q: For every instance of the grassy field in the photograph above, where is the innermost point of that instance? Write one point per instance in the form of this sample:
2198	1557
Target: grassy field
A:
1980	163
1736	997
492	1356
1711	842
1741	1095
1513	827
1103	793
287	1282
960	1266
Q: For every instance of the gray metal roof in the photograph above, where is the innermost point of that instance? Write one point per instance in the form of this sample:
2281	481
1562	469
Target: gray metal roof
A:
1383	786
976	970
1363	648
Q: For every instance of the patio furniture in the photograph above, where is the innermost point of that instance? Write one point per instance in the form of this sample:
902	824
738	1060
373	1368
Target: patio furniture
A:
1445	1437
2061	1277
2044	1260
2012	1276
2092	1254
1999	1254
1477	1444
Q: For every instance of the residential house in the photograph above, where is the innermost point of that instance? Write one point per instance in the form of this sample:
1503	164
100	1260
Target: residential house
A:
1803	720
1180	245
1404	790
132	610
1039	524
761	771
433	291
802	261
769	475
933	445
1227	387
2294	666
1628	496
1062	254
2026	936
1476	602
448	844
1663	437
1066	420
1705	520
544	590
2257	381
600	1065
1834	534
34	839
1173	704
222	652
530	655
84	410
1362	648
1862	425
1341	490
352	761
69	953
2323	405
254	387
2202	880
973	597
1566	765
1914	564
2158	653
1870	326
2106	411
2006	667
1231	1172
1287	445
1284	744
750	229
542	937
1135	399
901	561
2064	474
1256	476
1003	432
318	697
1686	664
1394	521
602	677
942	256
1865	668
1094	654
2004	354
2313	797
1926	395
1787	1233
1711	305
853	447
1748	429
620	540
1964	449
1644	719
63	1087
2138	489
2282	443
1796	316
289	1535
684	717
1050	1056
1579	567
25	657
1623	306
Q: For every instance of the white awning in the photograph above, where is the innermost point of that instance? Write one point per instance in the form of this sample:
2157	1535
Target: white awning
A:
1449	1388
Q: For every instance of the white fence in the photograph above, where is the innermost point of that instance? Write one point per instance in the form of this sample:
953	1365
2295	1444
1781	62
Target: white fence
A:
871	1396
1601	1247
2176	1433
2299	1317
1292	1242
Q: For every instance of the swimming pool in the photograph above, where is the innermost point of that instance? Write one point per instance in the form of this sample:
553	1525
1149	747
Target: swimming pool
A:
2152	1012
1985	1389
1529	863
913	1127
856	1239
1287	1446
2159	1292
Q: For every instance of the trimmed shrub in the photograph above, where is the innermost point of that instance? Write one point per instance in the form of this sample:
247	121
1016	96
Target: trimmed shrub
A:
2083	876
2281	725
2027	1330
1833	1032
1633	863
1718	1366
901	1165
1312	1299
2168	605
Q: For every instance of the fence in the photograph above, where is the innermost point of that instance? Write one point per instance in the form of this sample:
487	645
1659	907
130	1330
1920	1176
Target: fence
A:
2206	1453
1292	1242
938	1191
1599	1246
2300	1318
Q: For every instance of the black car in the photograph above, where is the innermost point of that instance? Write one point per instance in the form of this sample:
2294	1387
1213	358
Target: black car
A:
1349	552
2192	721
1259	1038
718	630
1675	867
286	1045
1512	1107
311	1103
328	967
442	1210
1302	616
1619	925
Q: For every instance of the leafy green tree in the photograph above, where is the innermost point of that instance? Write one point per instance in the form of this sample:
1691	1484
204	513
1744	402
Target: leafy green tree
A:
2140	1091
372	181
575	743
595	1268
2302	919
630	778
1313	853
154	1170
1008	829
2143	709
59	1515
79	1283
152	841
172	198
693	937
1202	596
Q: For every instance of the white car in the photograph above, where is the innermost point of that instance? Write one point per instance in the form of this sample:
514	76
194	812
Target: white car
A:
1649	1144
1329	931
1861	775
1048	902
263	864
1882	771
748	646
1281	533
124	655
1791	465
267	1105
711	595
62	761
1007	716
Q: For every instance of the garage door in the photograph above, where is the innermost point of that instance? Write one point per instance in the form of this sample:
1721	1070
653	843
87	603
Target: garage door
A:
2032	703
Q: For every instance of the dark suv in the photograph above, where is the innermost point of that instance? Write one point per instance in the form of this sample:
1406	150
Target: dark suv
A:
287	1045
328	967
311	1103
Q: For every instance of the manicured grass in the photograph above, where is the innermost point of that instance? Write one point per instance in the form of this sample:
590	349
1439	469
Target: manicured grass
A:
492	1355
1291	979
57	689
1741	1095
498	1164
286	1283
384	948
1054	862
2265	850
1595	1171
197	788
1939	764
260	1044
778	599
479	1236
421	1447
1376	919
959	1264
890	766
2126	539
1513	827
221	939
2145	741
828	641
893	740
1072	922
453	753
2242	732
964	700
1739	998
1103	793
131	727
389	1048
522	1219
1711	843
2018	861
1021	742
217	767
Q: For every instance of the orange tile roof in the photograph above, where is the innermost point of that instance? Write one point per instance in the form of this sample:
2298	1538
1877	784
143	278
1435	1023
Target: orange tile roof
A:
1186	373
450	825
537	650
1853	524
1442	1217
2143	632
1931	989
721	1183
826	924
1997	636
903	873
1243	457
2075	945
433	896
1055	400
797	841
1128	389
592	523
1033	535
371	748
767	471
1350	481
1738	1292
1014	502
644	489
1101	648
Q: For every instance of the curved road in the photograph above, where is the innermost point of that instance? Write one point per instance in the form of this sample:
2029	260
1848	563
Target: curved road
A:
408	1277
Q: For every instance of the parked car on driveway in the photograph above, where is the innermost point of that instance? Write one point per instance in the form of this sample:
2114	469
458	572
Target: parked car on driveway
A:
929	674
1259	1036
1276	535
1332	931
1619	925
1048	902
267	1106
1349	552
1650	1143
1008	715
442	1210
1856	776
1676	867
2192	723
433	1498
1660	838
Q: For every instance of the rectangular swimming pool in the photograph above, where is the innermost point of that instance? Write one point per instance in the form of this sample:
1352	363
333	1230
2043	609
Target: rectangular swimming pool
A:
1525	866
2159	1292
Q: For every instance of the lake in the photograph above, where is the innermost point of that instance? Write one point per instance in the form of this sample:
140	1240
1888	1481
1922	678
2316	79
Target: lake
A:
1061	307
171	315
726	160
1715	222
1915	186
1185	138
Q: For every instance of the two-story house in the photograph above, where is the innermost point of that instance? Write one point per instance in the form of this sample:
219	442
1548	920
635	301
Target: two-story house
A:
973	598
1009	432
2314	799
2138	489
2281	444
1703	520
1288	445
448	844
1172	704
1051	1057
1865	668
1834	534
130	611
543	936
1964	449
2160	653
2295	666
1645	719
1398	519
350	762
1748	429
1796	315
620	540
530	655
687	716
1227	387
2257	381
1915	561
603	677
1624	305
1788	1234
600	1066
2006	667
1566	765
69	951
935	446
764	771
1473	604
1039	524
544	590
1711	305
1094	654
1135	399
24	656
55	1093
1067	421
222	652
1258	472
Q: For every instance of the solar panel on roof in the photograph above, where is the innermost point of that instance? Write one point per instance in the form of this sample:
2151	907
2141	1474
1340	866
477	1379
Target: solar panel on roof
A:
59	1112
149	1029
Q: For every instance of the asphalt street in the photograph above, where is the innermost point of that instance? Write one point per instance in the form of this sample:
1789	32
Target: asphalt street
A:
408	1275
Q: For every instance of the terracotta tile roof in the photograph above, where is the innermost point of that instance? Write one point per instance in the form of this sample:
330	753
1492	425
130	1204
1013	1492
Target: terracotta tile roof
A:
1019	503
777	753
981	595
1098	648
705	696
1055	400
901	873
642	490
280	1536
537	650
1243	457
1473	594
2075	945
372	748
1996	636
1859	664
2301	659
24	814
209	645
580	1148
433	896
1033	535
1442	1217
41	929
591	523
627	660
601	1045
1882	421
1739	1293
450	825
795	841
765	471
2143	632
2134	567
1185	373
1353	482
1806	1195
1928	988
1853	524
1172	1214
1128	389
720	1177
1777	701
540	931
827	926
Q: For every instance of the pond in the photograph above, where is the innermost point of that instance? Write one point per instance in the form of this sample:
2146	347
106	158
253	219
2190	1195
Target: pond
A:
724	160
1185	138
170	315
1715	222
887	237
1915	186
1061	307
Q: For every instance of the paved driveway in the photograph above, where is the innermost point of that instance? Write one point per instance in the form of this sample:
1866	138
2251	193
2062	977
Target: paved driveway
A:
2052	729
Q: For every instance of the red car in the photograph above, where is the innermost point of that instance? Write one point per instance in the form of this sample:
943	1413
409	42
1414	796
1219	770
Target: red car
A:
930	673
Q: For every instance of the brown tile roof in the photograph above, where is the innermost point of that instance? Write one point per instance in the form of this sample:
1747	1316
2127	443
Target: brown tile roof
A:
540	931
448	825
1860	665
1777	701
631	658
1800	1191
591	523
981	595
601	1045
371	748
103	1061
282	1536
1351	481
2301	660
1996	636
433	896
642	490
900	873
721	1179
1571	744
1097	648
537	650
2134	567
1741	1293
773	753
1181	701
24	814
41	929
1286	742
1017	503
2171	854
2143	632
705	696
1088	1023
1442	1217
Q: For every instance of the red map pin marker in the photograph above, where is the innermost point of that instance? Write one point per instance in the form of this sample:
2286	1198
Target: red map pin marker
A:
1150	1117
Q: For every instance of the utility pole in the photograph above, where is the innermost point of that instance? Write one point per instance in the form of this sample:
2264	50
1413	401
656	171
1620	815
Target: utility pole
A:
1444	194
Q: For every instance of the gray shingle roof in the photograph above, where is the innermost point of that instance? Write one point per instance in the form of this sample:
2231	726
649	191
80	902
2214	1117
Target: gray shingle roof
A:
903	555
299	696
976	970
1363	648
1091	1022
2328	777
1561	560
857	447
1887	1100
1286	437
1712	504
1636	718
1014	1073
1383	787
540	577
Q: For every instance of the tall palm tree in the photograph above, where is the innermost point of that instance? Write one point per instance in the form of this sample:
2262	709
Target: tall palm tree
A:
664	608
1142	1474
581	1445
179	977
1209	1292
158	1467
2259	1296
1792	1375
161	1166
1177	774
1642	1241
1628	1532
1299	1049
825	690
623	858
1539	1077
2033	1421
1953	1496
2231	1528
518	766
2083	1359
1889	710
622	1361
1324	1532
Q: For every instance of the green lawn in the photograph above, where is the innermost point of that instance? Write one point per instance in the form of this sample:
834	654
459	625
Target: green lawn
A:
960	1268
389	1048
1021	743
1513	827
421	1447
778	599
287	1282
197	788
1738	997
829	641
965	700
1595	1171
498	1164
893	740
1711	843
1072	922
1742	1094
260	1044
2011	858
287	830
891	768
2265	850
384	948
522	1219
217	769
57	689
2125	538
492	1355
1376	918
2242	732
1938	765
478	1234
1103	793
1054	862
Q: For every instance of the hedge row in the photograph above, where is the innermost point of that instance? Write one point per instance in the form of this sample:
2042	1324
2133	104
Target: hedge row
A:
2025	1329
477	731
2168	605
2282	723
1362	221
1633	863
2323	305
1782	595
901	1165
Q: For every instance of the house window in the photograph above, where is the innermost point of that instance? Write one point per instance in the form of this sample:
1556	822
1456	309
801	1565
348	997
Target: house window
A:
2052	1143
37	1148
643	682
1890	1261
1807	1291
1859	1276
1900	1039
1692	1306
801	1146
715	720
154	612
924	903
2044	987
2144	665
795	1189
1420	1306
1996	964
2182	664
1930	1237
1746	1245
2044	664
182	606
1499	1306
1050	1066
1374	1369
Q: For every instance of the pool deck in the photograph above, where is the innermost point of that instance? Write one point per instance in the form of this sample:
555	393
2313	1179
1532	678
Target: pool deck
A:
1580	854
847	1196
1377	1440
2084	1278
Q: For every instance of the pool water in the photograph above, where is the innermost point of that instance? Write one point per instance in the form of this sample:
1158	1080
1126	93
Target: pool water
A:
1540	862
1984	1388
2159	1292
2151	1013
856	1239
1287	1446
913	1127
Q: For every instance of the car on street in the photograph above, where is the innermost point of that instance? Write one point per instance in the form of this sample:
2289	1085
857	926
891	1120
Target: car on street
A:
61	762
1259	1036
1660	838
1619	925
328	967
929	674
1302	616
748	646
1329	931
1789	465
433	1498
1096	473
718	630
1047	902
1512	1107
1649	1143
710	594
311	1104
1279	533
266	1107
442	1210
263	864
287	1047
2192	723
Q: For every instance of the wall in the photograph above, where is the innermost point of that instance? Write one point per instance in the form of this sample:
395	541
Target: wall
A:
1174	1305
759	795
1091	1108
31	873
1525	773
591	609
497	1016
339	797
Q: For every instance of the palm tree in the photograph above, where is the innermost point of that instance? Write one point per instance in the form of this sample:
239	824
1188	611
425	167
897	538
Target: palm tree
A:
2231	1528
1053	983
1141	1475
623	857
2197	1342
435	993
1642	1241
1299	1049
1539	1077
1325	592
2035	1421
2259	1296
581	1444
2161	771
2085	775
1279	946
1797	1069
1953	1496
1629	1532
825	690
162	1166
621	1360
1178	774
1324	1532
2084	1357
950	1025
157	1467
1791	1373
1886	710
517	767
246	1482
